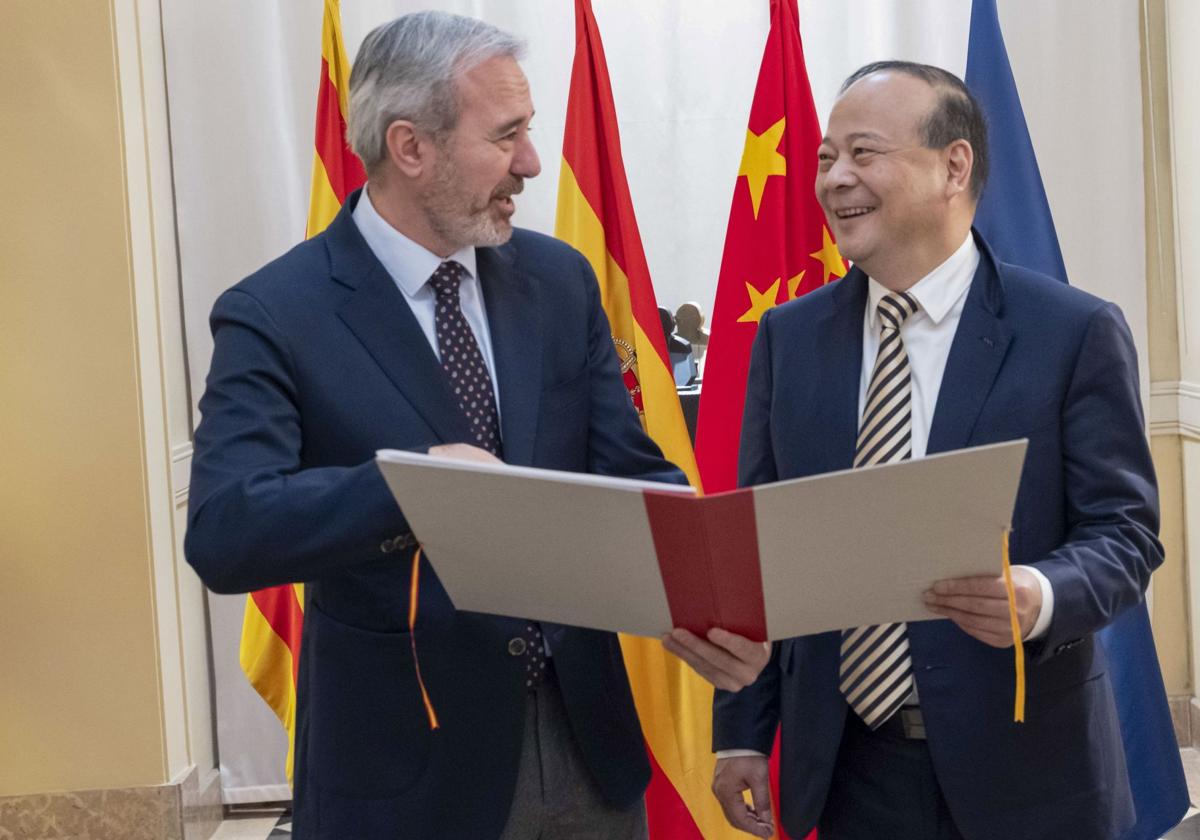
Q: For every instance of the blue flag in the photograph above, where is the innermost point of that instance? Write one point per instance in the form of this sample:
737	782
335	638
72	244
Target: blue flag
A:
1014	217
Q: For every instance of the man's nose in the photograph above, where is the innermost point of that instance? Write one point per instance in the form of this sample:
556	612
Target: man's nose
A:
839	174
525	163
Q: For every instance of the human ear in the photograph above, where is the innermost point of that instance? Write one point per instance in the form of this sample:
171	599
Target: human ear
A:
408	149
960	160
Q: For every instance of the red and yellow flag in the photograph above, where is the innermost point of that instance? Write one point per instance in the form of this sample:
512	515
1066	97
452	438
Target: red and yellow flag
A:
595	214
777	246
274	618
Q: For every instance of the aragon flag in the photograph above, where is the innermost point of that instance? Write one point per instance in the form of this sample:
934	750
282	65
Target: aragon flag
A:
595	214
777	246
274	617
1015	217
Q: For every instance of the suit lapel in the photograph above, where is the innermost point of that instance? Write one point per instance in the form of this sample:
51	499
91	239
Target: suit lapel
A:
381	319
976	355
512	310
839	345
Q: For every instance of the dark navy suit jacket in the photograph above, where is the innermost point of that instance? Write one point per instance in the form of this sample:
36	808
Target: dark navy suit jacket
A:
1032	358
319	362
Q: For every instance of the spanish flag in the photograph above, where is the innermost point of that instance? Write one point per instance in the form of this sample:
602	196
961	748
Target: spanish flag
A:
595	214
274	618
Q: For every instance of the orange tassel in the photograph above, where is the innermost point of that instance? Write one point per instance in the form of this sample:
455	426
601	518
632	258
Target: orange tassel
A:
412	633
1018	645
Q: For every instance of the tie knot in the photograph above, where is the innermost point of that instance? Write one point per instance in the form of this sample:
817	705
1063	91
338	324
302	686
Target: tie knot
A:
446	279
895	308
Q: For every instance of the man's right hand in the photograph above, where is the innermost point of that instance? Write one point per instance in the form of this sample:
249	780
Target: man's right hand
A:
735	775
463	452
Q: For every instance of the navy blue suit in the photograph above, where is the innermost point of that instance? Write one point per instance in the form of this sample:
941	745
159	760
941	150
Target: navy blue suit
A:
1031	358
319	362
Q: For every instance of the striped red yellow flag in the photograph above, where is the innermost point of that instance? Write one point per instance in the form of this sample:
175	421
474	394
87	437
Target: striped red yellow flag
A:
595	214
274	617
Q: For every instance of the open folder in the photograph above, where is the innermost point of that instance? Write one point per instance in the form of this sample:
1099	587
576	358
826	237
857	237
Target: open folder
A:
769	562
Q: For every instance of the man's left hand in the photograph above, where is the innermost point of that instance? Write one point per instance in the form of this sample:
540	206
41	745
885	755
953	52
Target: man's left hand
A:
727	660
979	605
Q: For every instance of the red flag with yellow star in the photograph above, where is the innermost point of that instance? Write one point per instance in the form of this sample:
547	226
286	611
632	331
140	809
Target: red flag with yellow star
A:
777	246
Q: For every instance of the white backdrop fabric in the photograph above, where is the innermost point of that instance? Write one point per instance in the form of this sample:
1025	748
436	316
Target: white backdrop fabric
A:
242	81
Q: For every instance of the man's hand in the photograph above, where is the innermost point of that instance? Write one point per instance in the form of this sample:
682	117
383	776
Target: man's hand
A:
979	605
727	660
734	775
464	452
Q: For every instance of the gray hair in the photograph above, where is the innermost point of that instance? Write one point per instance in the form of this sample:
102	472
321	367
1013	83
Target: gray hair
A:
407	70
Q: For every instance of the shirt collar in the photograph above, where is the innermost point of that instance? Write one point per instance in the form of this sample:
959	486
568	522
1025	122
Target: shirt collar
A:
937	291
410	265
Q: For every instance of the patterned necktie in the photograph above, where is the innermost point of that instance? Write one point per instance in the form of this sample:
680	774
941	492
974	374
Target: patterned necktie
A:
464	366
876	670
462	360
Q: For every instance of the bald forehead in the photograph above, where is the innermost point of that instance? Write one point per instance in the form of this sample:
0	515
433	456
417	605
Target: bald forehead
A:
884	103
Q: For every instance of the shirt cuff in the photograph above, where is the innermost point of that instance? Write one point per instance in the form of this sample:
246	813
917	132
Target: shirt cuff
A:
1043	620
738	754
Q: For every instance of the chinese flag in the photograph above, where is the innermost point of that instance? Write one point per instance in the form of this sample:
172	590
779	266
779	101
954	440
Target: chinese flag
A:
777	247
274	617
595	214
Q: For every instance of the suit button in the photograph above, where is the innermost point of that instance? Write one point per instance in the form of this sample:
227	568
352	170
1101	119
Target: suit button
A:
516	646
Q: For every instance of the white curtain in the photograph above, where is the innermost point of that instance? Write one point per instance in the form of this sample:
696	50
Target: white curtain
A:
242	80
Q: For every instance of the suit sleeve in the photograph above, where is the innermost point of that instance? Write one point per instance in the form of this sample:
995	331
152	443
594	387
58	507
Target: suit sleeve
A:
255	517
747	719
1111	548
617	444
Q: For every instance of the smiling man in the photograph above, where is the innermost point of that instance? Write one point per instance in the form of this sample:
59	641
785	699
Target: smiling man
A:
930	344
422	319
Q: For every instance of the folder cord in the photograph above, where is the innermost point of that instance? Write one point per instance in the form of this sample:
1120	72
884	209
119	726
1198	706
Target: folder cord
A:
1018	644
412	634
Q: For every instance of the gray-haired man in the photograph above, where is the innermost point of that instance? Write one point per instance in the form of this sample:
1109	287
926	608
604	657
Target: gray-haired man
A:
422	319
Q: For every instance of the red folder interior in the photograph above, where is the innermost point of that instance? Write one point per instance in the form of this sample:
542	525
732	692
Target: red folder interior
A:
708	556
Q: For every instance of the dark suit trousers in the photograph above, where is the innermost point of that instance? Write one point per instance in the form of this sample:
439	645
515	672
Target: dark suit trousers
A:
556	797
884	787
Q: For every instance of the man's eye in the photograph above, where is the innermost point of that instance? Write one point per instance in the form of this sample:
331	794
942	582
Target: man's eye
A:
862	151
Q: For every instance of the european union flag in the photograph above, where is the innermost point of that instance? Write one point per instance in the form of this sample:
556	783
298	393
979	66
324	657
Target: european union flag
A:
1014	217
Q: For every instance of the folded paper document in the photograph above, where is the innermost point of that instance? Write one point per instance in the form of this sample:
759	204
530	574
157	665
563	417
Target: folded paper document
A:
769	562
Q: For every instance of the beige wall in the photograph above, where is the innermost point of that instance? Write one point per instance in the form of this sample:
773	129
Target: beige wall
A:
103	681
1171	128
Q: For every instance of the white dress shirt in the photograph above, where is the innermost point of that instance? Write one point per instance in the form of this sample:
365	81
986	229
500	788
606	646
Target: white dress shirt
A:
927	335
411	265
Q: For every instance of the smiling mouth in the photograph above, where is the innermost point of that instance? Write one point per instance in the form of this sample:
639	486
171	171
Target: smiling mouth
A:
853	212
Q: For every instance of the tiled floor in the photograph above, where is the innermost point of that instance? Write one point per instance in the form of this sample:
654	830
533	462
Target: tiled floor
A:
256	825
274	825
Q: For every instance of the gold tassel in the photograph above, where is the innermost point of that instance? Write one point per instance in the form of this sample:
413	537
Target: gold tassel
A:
1018	645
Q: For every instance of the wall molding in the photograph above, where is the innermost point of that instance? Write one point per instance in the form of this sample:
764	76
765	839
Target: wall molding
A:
181	472
1175	409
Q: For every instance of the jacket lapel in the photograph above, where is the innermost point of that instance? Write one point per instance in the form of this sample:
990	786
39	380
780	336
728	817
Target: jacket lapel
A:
381	319
839	345
976	355
515	327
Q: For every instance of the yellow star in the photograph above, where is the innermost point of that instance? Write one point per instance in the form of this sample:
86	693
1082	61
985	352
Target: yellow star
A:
829	257
760	302
794	285
761	160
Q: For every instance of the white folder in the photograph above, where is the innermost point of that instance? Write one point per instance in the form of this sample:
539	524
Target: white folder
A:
813	554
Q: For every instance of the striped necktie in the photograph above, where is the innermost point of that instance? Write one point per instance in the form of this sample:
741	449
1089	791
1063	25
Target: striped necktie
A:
875	675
